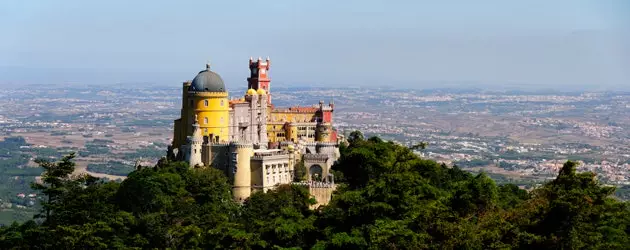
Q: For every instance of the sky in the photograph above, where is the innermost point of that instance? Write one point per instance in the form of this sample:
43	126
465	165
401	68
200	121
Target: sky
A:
424	44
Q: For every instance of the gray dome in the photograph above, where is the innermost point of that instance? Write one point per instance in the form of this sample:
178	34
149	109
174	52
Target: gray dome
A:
207	81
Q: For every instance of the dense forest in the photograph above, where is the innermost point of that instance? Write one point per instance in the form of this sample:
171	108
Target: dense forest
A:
388	198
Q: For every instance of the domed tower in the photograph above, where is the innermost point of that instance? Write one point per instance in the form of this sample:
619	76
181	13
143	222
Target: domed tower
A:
208	100
241	169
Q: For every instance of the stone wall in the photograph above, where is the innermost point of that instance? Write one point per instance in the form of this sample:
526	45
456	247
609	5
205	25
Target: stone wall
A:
321	191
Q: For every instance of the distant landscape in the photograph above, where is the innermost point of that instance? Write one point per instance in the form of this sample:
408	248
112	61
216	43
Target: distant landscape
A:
519	137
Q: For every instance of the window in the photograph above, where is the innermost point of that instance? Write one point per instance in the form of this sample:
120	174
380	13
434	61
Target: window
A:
205	130
205	103
205	121
221	119
221	103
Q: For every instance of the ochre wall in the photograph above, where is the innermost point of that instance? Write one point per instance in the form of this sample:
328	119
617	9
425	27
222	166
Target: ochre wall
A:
287	116
217	113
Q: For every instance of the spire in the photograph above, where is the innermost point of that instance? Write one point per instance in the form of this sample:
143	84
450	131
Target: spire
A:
208	65
196	130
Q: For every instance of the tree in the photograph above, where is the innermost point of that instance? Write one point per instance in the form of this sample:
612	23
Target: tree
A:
389	198
355	137
54	182
281	218
420	146
300	171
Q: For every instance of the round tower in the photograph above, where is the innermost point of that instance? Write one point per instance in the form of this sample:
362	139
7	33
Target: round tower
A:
241	153
323	131
208	99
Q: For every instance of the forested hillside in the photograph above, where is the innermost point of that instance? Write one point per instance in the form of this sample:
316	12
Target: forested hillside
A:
389	199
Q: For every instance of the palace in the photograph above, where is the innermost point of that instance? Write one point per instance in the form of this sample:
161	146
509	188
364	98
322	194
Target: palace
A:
256	144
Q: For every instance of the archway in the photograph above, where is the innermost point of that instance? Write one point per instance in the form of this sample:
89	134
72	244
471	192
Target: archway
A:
315	172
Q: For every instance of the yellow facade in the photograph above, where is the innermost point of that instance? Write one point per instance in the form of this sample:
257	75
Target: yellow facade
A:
292	133
284	116
276	132
212	110
283	124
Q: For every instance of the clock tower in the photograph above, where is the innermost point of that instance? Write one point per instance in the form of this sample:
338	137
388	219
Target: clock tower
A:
259	77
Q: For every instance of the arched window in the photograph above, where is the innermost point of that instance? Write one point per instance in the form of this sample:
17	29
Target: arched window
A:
221	103
205	120
221	119
205	103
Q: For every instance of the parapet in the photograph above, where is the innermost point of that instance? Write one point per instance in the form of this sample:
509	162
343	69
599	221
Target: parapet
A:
219	144
241	145
315	184
270	156
326	144
316	157
286	143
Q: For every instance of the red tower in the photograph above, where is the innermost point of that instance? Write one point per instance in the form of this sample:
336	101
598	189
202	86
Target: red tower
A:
259	78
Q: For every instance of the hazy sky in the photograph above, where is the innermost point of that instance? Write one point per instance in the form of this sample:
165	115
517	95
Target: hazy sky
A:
358	43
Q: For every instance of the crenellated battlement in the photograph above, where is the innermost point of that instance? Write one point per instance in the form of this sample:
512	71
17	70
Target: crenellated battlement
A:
287	143
315	184
326	144
320	158
241	145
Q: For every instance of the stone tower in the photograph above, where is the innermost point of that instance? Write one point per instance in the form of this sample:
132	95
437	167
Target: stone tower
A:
241	153
324	130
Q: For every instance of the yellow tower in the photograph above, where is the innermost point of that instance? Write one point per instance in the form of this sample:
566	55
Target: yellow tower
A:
212	111
208	101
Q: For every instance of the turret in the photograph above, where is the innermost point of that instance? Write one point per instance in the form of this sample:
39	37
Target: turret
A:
241	169
324	124
195	141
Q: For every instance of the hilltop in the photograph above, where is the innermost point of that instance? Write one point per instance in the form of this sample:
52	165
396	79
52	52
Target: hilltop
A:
389	198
